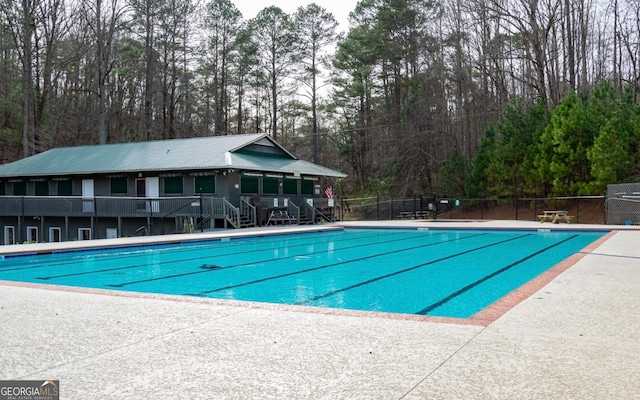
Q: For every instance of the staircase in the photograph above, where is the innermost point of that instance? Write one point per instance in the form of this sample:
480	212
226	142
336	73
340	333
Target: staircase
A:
304	220
245	221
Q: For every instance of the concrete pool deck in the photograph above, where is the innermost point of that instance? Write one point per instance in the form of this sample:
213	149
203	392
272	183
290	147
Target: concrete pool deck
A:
576	337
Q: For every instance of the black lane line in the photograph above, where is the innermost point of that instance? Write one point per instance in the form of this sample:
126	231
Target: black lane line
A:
162	262
271	259
84	253
333	292
97	271
168	250
328	266
486	278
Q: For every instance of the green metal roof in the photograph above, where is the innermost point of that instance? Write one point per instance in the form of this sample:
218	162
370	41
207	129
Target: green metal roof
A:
250	152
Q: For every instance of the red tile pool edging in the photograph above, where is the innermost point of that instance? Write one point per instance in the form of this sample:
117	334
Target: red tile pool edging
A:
506	303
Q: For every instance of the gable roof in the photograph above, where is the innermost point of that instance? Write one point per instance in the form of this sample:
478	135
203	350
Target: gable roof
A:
250	152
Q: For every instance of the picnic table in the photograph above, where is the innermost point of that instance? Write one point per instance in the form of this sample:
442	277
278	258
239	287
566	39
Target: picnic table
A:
555	216
283	216
419	214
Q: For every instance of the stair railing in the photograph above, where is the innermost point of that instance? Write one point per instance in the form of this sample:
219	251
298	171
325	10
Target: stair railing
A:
231	214
309	212
294	211
246	208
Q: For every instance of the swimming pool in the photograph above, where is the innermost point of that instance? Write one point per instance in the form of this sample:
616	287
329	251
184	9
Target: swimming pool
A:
435	272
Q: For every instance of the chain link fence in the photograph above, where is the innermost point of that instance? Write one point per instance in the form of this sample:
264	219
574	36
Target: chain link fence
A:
623	204
582	209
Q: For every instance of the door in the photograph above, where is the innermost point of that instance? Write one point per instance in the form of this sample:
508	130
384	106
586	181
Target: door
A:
87	194
149	187
153	186
9	235
112	233
141	187
153	190
55	234
141	191
87	188
32	234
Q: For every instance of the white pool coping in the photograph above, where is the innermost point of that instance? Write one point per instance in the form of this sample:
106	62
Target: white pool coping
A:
576	337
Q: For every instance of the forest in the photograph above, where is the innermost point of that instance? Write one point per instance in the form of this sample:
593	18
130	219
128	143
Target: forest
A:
468	98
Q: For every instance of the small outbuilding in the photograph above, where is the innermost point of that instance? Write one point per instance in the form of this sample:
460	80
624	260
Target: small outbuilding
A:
622	206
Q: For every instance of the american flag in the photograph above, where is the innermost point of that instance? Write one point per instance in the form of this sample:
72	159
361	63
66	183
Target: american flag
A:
329	192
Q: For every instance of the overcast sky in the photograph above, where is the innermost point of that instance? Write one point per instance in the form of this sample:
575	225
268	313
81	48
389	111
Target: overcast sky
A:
339	8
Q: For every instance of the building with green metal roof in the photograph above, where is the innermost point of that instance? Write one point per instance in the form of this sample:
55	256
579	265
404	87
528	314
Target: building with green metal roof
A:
250	152
157	187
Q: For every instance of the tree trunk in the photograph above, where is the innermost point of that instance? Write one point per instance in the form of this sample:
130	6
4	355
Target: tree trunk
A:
27	84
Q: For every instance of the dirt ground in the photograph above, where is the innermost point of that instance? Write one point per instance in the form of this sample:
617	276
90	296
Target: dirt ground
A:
583	211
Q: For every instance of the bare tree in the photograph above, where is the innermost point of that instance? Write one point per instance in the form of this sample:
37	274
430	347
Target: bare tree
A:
273	33
145	20
531	21
20	21
316	31
27	86
175	24
628	35
222	23
52	27
10	67
104	23
245	63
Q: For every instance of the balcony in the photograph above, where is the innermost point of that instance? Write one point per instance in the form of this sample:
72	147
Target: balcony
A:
127	207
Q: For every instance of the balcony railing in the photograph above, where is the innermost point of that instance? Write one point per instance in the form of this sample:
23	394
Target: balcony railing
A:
60	206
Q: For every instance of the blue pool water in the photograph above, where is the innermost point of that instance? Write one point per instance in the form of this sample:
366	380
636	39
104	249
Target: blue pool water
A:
429	272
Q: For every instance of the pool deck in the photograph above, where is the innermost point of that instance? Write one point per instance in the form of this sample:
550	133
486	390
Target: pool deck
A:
575	335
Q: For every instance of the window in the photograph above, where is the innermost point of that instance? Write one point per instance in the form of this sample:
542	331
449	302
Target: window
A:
119	185
19	188
55	234
84	233
9	235
249	184
306	187
65	188
205	184
42	188
290	186
270	185
173	185
2	193
32	234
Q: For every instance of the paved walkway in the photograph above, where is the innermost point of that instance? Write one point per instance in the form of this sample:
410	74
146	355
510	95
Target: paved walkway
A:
578	337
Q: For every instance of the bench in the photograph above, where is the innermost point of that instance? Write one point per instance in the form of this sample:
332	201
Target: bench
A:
555	216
